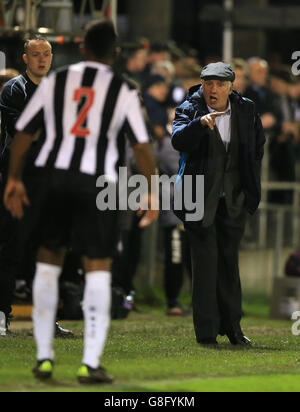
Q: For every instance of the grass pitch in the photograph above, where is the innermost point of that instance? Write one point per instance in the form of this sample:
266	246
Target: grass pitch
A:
152	353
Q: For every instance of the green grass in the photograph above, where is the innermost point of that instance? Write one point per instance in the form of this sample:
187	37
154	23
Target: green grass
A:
150	352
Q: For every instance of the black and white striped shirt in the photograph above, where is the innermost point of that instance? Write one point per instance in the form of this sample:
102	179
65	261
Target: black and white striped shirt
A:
86	110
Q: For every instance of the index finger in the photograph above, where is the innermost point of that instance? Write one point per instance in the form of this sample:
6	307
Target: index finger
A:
217	114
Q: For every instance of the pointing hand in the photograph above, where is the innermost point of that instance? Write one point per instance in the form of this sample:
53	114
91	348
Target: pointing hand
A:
210	119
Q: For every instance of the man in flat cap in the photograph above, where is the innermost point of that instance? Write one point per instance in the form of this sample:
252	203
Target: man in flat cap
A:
220	136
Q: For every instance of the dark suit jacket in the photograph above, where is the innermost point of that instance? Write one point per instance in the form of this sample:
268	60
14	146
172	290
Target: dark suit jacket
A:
193	141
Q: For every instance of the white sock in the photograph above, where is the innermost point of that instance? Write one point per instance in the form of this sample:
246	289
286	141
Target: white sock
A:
97	305
45	301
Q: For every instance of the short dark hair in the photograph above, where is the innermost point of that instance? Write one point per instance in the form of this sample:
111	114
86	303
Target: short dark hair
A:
101	38
34	38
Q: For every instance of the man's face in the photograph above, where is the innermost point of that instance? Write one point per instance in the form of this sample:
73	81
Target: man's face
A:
139	61
216	93
259	73
38	58
159	91
279	86
240	80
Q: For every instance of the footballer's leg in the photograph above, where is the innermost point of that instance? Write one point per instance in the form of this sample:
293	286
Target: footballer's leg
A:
45	300
97	305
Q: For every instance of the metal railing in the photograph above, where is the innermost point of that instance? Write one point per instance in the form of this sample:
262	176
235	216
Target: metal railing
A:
33	8
266	207
293	209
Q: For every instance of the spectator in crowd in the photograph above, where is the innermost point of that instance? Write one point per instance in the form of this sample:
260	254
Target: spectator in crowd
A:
177	255
176	91
158	52
155	94
258	91
283	147
190	77
186	66
241	70
127	252
132	63
192	58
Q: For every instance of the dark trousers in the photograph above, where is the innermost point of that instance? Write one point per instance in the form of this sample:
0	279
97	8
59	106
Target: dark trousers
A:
177	259
217	295
127	256
17	250
8	263
283	165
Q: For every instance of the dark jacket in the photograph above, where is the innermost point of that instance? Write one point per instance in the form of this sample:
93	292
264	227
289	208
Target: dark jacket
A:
13	99
192	140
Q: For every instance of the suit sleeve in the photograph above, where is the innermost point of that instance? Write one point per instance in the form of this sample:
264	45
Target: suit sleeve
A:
187	133
259	148
260	139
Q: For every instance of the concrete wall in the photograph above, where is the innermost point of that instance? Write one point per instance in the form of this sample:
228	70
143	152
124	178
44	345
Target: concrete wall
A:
257	270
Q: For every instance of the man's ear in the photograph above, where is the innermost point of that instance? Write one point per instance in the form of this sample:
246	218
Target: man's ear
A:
231	88
25	58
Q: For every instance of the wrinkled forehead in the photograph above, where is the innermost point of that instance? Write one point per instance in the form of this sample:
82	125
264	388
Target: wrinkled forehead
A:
39	46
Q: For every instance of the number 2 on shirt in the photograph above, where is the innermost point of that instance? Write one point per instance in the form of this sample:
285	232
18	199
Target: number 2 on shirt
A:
89	95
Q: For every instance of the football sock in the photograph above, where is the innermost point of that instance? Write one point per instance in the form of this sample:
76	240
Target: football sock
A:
97	305
45	300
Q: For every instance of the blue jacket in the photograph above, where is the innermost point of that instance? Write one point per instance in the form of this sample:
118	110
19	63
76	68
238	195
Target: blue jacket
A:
191	139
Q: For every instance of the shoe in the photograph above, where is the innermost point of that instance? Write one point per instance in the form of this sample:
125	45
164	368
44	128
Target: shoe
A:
62	333
87	375
43	370
176	311
238	339
208	342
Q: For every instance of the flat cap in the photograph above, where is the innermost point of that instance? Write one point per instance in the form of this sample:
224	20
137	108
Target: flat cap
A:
219	70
